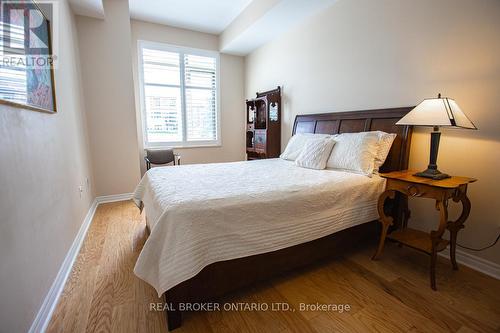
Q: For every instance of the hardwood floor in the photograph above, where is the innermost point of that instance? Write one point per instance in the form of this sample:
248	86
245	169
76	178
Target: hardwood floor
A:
389	295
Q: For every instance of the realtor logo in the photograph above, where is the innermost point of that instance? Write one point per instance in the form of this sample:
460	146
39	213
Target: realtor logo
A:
27	33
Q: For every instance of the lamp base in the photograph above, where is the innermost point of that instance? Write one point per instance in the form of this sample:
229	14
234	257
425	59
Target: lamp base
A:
433	174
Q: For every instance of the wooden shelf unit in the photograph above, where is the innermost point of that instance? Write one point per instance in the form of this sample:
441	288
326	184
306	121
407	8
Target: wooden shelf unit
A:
263	125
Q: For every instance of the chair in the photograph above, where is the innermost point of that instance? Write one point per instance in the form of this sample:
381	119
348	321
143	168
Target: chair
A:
161	156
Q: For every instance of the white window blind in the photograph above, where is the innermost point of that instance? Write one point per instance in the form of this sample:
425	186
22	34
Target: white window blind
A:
180	96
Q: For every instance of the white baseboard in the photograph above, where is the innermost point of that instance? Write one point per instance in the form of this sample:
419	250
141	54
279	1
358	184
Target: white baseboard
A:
476	263
42	319
44	315
114	198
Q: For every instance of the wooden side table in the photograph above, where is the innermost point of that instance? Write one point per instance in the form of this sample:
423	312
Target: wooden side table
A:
454	188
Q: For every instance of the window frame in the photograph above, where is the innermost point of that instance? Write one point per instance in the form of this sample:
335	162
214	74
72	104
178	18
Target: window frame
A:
181	50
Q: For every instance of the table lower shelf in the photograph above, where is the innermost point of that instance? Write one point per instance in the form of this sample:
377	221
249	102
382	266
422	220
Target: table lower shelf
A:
417	239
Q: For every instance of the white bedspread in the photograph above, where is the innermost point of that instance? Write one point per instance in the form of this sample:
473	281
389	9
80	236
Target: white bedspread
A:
201	214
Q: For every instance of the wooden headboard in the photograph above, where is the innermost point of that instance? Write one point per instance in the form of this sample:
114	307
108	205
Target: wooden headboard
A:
362	121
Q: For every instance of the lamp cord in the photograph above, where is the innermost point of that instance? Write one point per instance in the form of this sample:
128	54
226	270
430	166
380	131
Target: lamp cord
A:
481	249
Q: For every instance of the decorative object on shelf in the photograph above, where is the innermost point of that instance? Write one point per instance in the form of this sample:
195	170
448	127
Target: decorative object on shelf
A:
27	60
251	113
436	112
273	112
263	128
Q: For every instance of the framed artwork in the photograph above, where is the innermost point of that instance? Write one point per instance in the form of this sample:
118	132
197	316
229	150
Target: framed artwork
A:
26	58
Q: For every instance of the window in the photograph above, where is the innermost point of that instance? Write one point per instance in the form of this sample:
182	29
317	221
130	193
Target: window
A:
179	94
12	77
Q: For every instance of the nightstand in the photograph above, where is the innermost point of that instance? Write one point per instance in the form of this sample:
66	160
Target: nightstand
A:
454	188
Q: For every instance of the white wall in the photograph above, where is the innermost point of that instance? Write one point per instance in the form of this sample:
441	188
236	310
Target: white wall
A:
231	92
363	54
109	93
43	159
109	65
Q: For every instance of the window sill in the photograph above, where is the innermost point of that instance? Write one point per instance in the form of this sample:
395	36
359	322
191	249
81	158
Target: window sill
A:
174	146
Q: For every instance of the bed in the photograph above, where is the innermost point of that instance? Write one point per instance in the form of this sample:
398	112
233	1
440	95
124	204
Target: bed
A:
215	228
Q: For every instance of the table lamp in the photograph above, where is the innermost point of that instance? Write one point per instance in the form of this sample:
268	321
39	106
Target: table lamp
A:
436	112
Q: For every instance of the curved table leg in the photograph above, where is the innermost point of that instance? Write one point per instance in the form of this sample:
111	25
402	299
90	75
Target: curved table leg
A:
436	238
433	269
405	213
385	220
455	226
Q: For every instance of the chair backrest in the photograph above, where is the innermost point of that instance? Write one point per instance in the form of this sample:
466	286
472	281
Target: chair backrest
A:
160	156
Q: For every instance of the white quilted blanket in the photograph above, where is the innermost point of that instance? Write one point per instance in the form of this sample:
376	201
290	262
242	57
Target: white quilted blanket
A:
204	213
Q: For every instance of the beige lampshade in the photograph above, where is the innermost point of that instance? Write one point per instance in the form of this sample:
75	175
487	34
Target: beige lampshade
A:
437	112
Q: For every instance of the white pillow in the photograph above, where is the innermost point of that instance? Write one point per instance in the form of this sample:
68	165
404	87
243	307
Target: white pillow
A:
315	153
354	152
296	143
385	141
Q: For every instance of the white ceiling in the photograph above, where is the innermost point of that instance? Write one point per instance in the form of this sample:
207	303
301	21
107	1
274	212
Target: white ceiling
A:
211	16
272	22
242	25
